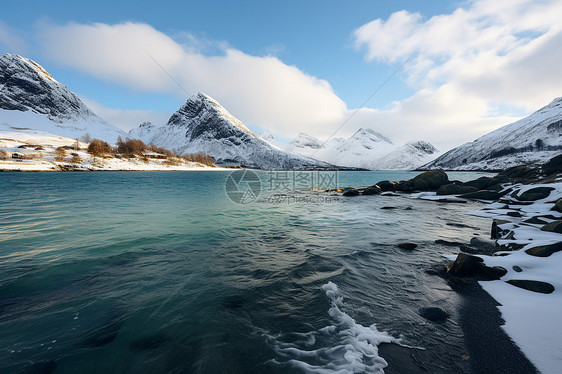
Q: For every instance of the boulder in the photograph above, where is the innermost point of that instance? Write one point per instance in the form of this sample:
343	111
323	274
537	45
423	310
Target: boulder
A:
482	195
407	246
373	190
403	186
430	180
386	186
544	250
555	226
479	183
514	213
498	180
558	205
532	285
517	268
534	194
449	189
433	314
466	265
519	172
351	192
553	166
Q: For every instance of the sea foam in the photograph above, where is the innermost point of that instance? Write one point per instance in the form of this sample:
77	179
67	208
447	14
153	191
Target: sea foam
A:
343	347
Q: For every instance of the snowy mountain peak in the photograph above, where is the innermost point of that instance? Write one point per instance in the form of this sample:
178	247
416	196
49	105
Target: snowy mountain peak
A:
202	104
423	147
30	95
26	85
203	125
370	135
303	140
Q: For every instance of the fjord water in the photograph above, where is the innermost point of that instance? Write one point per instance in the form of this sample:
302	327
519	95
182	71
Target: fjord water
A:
159	272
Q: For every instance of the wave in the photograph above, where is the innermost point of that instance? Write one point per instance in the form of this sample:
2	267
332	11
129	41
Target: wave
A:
343	347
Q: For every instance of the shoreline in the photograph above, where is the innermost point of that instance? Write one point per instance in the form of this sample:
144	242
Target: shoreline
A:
495	332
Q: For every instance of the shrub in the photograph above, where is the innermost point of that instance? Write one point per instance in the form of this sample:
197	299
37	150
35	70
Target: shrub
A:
99	147
60	154
76	159
4	155
199	157
131	146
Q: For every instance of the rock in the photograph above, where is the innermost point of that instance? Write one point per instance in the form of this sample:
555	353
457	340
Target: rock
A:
466	265
482	195
555	226
454	189
495	272
386	186
531	285
388	207
479	183
403	186
514	213
430	180
496	231
535	220
519	172
498	180
517	268
544	250
553	166
558	205
534	194
407	246
351	192
373	190
433	314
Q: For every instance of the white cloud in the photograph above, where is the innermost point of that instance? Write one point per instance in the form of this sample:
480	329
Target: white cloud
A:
259	90
482	56
11	40
126	119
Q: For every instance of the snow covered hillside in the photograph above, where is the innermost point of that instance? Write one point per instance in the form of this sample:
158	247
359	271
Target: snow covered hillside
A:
203	125
531	140
365	149
31	98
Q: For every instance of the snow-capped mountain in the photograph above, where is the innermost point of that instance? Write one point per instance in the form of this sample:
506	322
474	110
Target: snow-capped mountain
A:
366	149
532	140
145	131
203	125
31	97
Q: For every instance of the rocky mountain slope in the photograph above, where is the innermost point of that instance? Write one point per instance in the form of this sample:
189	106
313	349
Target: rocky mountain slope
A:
532	140
31	98
203	125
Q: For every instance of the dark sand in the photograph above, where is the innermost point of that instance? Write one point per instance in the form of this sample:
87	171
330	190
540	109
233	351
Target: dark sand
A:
490	350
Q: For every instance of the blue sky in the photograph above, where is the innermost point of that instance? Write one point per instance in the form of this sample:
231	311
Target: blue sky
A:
351	46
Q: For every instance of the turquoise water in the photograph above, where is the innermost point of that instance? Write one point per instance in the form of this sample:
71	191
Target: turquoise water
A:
160	272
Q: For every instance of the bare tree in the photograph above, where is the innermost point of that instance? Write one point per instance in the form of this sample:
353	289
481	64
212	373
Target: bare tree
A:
60	154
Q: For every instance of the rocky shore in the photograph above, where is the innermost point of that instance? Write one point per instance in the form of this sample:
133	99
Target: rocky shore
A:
511	284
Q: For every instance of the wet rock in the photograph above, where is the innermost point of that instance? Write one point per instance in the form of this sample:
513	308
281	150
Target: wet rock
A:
454	189
496	231
535	220
388	207
430	180
466	265
407	246
514	213
373	190
555	226
386	186
534	194
544	250
531	285
351	192
433	314
482	195
403	186
517	268
437	269
479	183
